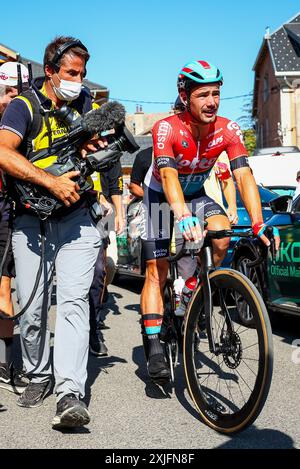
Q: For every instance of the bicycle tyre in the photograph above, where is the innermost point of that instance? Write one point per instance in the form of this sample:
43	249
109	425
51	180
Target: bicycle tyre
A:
211	414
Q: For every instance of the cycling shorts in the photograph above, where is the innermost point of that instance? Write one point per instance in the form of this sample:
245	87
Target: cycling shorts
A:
157	220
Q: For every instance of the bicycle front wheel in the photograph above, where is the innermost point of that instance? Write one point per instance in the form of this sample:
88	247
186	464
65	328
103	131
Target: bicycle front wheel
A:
229	386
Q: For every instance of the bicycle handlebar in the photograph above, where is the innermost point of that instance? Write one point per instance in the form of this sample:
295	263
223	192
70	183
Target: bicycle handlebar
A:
214	234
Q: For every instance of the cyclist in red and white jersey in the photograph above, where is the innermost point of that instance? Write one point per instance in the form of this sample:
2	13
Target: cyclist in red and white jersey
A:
186	147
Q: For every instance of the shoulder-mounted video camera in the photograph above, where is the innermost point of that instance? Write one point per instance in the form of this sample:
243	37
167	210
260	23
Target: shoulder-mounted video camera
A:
106	121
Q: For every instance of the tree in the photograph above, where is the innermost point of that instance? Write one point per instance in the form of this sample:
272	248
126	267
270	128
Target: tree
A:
246	122
250	140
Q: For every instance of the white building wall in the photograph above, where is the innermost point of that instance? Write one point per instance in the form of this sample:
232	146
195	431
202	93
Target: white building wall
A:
286	118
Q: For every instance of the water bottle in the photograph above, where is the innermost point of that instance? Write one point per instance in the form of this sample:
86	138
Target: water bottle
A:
178	286
187	291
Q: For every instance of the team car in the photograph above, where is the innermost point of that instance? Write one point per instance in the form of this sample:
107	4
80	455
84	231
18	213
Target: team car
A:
276	276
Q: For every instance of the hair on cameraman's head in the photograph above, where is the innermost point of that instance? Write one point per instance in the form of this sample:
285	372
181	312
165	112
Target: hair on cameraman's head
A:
59	41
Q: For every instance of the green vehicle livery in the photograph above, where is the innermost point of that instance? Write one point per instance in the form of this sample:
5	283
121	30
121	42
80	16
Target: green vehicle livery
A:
278	278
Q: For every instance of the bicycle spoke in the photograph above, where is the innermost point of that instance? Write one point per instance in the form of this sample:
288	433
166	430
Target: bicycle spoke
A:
218	381
244	380
209	374
251	359
243	332
250	369
240	389
250	346
219	327
230	393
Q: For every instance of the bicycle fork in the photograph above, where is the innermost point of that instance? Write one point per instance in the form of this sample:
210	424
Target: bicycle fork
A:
207	266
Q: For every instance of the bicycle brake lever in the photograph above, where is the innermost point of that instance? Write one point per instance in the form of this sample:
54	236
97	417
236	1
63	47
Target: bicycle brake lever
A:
272	249
270	236
260	259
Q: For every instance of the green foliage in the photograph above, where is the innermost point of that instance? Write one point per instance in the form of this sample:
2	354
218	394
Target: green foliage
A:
250	140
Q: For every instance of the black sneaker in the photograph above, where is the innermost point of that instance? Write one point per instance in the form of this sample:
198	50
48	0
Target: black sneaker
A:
34	394
158	369
97	345
70	413
101	325
11	379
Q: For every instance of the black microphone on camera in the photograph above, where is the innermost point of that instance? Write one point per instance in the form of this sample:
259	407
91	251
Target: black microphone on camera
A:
109	116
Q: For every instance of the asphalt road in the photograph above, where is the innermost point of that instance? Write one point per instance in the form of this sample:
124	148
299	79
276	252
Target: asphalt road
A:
128	411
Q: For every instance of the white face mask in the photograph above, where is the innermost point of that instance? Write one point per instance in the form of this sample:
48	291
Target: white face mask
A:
67	90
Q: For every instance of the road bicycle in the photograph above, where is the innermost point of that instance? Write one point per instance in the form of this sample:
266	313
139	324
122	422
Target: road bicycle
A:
228	364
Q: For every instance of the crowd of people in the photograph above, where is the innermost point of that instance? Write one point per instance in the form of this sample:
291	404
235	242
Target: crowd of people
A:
195	155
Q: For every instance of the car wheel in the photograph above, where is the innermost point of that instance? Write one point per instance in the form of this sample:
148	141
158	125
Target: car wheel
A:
251	273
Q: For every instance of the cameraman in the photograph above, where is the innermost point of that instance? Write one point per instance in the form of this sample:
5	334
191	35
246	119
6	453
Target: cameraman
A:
72	240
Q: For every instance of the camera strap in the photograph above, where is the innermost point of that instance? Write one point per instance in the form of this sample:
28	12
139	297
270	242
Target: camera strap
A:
49	131
35	108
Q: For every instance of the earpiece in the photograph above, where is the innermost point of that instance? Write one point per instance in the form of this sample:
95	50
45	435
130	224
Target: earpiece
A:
62	49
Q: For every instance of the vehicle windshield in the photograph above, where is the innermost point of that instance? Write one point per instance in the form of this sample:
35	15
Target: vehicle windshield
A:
283	190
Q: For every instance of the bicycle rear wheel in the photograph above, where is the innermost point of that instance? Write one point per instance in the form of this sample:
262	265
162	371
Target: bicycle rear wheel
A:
229	387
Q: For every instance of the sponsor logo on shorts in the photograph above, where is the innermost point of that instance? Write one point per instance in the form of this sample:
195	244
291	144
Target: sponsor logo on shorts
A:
212	213
160	253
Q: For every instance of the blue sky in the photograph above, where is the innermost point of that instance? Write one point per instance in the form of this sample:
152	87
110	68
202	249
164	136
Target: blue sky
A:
138	47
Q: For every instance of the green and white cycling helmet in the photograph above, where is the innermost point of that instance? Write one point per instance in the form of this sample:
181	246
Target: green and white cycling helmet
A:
198	71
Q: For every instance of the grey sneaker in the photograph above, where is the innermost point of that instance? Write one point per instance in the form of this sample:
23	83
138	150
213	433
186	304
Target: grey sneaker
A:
70	413
34	394
11	379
